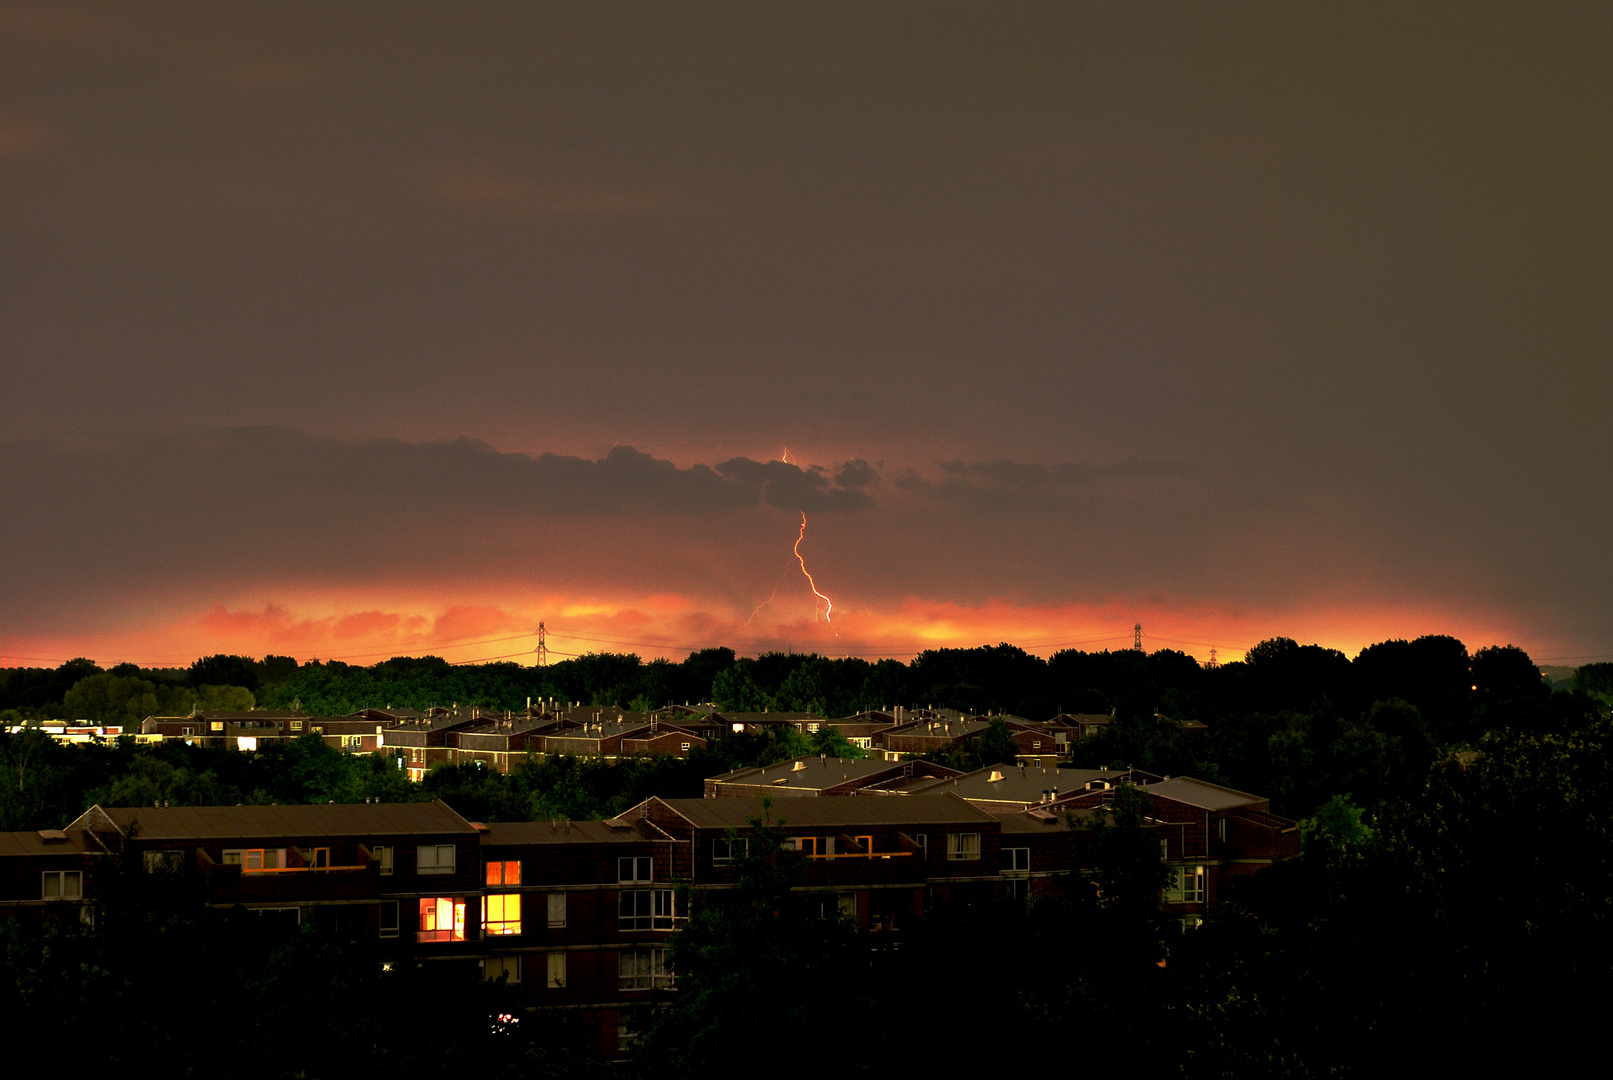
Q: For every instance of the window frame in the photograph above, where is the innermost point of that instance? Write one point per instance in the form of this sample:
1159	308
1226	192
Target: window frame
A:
509	968
640	910
436	868
643	969
503	874
61	877
1014	856
628	867
456	929
549	910
500	905
729	844
387	910
385	855
963	847
555	975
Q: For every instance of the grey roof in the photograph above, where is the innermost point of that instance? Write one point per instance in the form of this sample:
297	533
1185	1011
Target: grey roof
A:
622	831
763	717
1021	786
1020	824
814	772
830	813
244	822
1203	794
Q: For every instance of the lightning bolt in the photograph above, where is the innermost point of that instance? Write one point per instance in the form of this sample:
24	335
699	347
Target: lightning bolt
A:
830	603
770	595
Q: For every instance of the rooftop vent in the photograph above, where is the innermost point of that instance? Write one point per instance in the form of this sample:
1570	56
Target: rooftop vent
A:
798	766
52	836
995	776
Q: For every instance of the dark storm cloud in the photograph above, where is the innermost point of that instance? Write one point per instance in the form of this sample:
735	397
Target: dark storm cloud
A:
1347	267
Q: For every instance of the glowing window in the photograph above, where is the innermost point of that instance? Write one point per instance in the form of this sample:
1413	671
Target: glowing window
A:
442	918
504	873
501	914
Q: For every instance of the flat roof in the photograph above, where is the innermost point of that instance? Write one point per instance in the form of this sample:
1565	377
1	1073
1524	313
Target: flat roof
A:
942	809
247	822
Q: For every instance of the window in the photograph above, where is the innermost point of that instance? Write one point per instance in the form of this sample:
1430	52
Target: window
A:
685	746
643	969
644	909
1221	829
164	862
62	885
320	859
188	731
1017	860
864	842
727	850
352	742
504	873
255	860
557	909
634	869
383	855
507	968
1017	888
962	846
847	905
389	918
296	725
1185	885
923	841
557	971
216	725
501	914
434	859
807	845
442	918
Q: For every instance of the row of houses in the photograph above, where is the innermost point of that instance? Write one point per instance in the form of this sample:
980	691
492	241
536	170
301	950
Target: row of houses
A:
576	915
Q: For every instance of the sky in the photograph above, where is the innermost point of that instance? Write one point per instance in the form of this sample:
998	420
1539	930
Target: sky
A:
357	330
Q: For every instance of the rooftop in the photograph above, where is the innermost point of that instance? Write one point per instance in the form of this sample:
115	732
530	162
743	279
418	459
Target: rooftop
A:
245	822
44	842
829	813
1203	794
1014	784
809	772
619	831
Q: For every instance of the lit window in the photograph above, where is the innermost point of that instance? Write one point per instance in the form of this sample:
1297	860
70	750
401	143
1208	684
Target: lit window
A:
1016	860
635	869
643	969
644	909
557	971
963	846
727	850
296	725
557	909
216	725
504	873
501	914
442	918
62	885
434	859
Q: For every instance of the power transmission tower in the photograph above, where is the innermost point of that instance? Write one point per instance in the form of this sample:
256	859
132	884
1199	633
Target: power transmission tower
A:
1137	637
543	648
1214	663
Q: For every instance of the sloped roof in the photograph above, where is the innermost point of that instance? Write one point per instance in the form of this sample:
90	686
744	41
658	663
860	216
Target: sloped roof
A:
1202	793
942	809
245	822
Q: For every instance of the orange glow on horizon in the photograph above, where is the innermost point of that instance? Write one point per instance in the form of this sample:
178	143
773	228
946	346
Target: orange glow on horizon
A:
672	625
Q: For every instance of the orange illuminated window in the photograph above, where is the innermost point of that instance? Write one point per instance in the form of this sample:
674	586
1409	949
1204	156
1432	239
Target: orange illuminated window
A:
504	873
442	918
501	914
